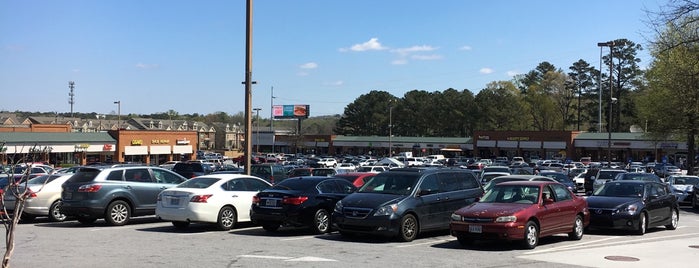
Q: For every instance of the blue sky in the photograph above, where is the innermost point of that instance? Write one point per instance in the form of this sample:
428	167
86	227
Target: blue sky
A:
189	56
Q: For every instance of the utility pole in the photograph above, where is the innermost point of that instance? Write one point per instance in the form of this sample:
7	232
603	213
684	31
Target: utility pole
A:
248	87
71	94
271	118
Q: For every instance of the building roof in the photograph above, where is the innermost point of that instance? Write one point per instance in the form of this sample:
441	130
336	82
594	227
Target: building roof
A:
615	136
451	140
54	137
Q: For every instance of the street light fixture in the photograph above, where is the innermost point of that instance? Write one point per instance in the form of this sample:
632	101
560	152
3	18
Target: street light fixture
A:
118	103
390	128
609	44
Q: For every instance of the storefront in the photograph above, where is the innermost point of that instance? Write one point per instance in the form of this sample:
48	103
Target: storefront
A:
155	147
528	144
57	148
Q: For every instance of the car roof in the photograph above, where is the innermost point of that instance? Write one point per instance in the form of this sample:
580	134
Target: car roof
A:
526	182
227	176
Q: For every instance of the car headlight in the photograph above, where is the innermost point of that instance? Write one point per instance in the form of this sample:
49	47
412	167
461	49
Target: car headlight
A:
630	209
386	210
456	217
338	207
506	219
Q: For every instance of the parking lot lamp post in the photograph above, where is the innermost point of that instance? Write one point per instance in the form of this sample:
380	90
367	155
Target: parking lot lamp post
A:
390	129
118	103
609	44
257	139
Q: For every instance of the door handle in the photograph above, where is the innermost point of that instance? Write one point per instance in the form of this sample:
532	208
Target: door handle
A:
235	195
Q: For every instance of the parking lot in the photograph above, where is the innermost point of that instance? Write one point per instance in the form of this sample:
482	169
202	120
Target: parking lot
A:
147	242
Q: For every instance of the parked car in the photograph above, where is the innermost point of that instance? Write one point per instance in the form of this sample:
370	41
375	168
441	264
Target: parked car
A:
637	176
115	194
684	188
192	169
372	169
356	178
502	179
168	165
271	172
668	170
404	202
522	211
559	177
327	162
328	172
594	178
222	199
43	199
487	176
347	166
634	205
298	172
300	201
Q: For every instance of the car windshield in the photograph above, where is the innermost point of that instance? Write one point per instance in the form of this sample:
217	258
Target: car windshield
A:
198	182
391	183
42	179
559	177
520	194
617	189
686	180
639	177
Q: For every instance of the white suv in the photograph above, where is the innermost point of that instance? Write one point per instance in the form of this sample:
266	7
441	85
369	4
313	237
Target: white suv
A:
327	162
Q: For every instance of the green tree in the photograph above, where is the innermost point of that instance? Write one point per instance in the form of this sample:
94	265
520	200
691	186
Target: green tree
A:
586	91
366	116
500	108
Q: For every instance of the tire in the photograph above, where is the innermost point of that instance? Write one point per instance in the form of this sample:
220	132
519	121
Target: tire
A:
674	220
531	235
118	213
578	229
226	218
85	220
408	228
55	214
321	222
642	224
180	224
271	226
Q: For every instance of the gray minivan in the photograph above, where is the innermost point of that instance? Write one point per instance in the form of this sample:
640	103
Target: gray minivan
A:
115	194
404	202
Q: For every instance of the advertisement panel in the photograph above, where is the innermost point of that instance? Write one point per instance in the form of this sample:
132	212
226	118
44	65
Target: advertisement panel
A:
290	111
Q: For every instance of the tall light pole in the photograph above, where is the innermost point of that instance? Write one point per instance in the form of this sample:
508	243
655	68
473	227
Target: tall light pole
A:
248	86
271	118
390	128
118	103
257	130
609	44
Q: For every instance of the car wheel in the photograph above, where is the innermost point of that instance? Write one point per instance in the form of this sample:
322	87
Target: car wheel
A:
85	220
642	224
464	241
226	218
271	226
118	213
578	229
674	221
321	221
180	224
55	212
531	235
408	228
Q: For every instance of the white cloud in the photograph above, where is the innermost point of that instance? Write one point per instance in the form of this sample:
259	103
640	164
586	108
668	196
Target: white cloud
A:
336	83
146	66
302	74
512	73
426	57
399	62
309	65
408	50
372	44
465	48
486	70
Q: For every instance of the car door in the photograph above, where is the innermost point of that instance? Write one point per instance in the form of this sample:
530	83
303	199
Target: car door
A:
429	203
240	192
565	206
657	204
548	212
143	188
459	189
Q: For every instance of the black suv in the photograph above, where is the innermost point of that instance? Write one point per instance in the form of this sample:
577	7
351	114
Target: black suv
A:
115	194
192	169
403	202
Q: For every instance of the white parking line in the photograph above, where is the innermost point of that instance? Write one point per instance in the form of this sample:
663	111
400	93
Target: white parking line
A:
298	238
427	243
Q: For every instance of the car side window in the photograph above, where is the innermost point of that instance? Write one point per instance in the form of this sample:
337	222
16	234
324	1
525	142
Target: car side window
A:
327	186
137	175
430	185
234	185
115	175
345	187
659	190
162	176
450	181
561	193
255	185
547	193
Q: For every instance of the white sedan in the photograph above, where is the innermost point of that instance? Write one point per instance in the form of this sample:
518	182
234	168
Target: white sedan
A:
43	197
223	199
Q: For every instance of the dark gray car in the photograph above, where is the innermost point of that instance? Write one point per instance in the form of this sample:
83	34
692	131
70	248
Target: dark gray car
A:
115	194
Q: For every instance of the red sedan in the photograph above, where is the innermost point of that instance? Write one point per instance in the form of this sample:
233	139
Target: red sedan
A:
522	210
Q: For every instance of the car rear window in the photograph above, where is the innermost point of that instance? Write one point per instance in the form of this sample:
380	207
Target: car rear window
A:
198	182
84	175
295	184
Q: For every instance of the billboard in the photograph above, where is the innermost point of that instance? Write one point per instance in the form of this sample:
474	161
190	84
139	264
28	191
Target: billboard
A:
291	111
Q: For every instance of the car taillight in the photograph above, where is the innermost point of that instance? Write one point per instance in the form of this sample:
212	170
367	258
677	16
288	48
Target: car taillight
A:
298	200
30	194
90	188
200	198
255	200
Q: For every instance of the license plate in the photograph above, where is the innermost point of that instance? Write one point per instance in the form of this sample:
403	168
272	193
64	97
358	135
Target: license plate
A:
271	203
475	229
174	201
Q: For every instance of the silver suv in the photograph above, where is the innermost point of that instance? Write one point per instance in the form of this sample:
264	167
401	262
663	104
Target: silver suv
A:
115	194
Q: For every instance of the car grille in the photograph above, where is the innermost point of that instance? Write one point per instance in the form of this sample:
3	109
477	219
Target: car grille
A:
356	213
477	220
601	211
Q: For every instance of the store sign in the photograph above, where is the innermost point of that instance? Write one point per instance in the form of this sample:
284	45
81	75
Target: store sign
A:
136	142
160	142
483	137
82	146
517	138
107	147
183	142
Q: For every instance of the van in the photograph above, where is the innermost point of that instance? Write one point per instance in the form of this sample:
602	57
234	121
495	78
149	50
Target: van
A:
273	173
404	202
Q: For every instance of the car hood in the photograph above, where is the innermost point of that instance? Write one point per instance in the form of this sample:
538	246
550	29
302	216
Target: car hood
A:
683	187
491	210
610	201
370	200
